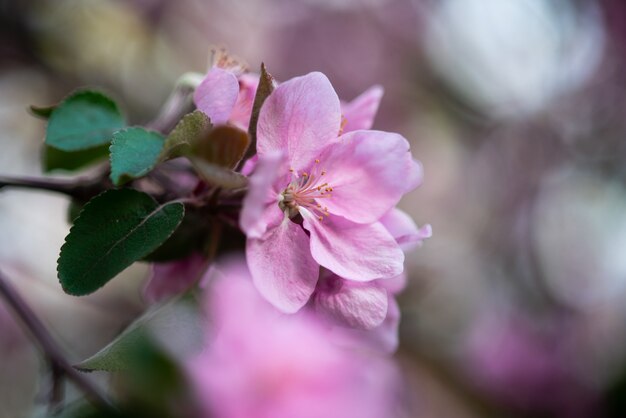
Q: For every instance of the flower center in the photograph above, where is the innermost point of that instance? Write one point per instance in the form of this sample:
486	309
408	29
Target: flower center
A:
304	191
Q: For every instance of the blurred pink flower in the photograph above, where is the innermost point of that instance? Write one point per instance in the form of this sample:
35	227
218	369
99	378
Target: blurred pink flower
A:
528	367
261	363
335	187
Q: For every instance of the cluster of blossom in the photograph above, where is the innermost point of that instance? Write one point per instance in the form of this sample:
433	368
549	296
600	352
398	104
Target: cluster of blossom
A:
325	250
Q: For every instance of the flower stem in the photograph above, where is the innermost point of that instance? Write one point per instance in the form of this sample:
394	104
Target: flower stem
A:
49	346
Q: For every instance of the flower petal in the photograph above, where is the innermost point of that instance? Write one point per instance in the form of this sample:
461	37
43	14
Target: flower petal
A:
394	285
217	94
351	304
282	267
260	206
402	227
242	110
360	252
367	171
301	116
415	177
360	112
385	336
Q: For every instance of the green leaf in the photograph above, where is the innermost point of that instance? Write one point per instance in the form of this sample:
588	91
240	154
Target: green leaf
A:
192	127
217	175
265	88
176	326
85	119
43	112
55	159
115	229
224	146
134	153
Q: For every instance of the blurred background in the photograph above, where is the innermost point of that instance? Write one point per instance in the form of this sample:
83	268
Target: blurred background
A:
516	108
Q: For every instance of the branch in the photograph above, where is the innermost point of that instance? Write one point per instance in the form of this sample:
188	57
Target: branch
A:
49	346
80	188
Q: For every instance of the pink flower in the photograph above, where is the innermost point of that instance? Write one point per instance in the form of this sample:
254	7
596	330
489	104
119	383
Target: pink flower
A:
316	197
261	363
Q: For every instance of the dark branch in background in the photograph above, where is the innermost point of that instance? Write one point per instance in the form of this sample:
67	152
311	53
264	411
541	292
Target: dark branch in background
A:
48	345
81	188
177	105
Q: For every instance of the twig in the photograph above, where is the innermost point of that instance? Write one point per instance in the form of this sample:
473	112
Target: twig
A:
80	188
49	346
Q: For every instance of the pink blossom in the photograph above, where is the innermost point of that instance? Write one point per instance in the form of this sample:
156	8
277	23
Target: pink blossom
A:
261	363
316	196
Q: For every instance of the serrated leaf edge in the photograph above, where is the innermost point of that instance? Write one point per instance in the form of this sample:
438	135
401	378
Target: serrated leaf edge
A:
124	177
160	206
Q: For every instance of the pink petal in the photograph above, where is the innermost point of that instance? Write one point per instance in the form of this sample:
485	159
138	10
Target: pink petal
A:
360	252
249	165
402	227
282	267
242	110
169	279
394	285
301	117
217	94
385	336
260	206
351	304
360	112
415	176
367	171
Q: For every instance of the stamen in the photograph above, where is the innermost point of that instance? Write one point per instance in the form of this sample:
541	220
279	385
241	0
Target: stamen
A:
344	121
303	192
